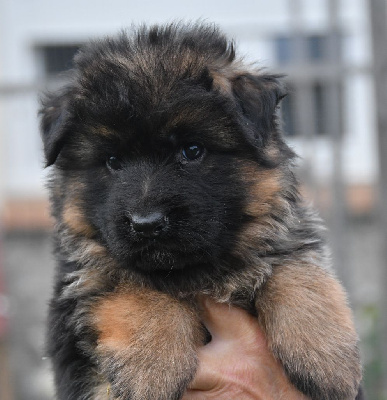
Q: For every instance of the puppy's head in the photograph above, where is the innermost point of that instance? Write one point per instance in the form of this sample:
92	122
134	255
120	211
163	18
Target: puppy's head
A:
165	149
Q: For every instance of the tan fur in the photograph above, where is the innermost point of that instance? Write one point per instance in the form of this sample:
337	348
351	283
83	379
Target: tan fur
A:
183	117
150	335
302	339
85	282
95	250
73	218
104	131
103	392
224	74
264	189
221	82
264	198
122	314
272	151
118	318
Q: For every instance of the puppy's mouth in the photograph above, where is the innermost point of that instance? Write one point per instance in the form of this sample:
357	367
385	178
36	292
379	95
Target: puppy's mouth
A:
168	250
154	258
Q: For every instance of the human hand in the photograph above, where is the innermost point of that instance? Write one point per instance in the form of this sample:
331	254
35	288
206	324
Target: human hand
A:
237	363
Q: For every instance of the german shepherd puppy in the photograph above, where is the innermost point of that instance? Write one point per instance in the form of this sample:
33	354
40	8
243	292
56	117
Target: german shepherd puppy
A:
170	179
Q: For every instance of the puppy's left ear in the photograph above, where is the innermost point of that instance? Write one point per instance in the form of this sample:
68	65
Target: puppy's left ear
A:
258	97
53	124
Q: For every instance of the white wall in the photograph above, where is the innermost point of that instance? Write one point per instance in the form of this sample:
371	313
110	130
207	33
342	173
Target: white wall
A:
24	24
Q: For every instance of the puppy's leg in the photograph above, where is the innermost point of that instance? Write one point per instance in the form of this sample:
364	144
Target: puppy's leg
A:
146	346
73	372
309	328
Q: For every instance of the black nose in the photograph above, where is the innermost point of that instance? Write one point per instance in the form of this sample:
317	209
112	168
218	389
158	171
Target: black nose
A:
150	225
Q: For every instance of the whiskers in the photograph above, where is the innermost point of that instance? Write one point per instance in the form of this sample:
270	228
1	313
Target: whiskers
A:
169	272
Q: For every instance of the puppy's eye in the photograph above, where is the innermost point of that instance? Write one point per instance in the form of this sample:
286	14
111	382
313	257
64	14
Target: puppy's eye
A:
114	163
192	151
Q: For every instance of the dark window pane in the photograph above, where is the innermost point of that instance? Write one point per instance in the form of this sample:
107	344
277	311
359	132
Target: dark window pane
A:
316	48
58	58
288	115
319	108
283	50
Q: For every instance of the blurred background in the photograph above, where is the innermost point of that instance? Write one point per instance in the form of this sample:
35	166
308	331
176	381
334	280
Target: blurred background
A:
334	55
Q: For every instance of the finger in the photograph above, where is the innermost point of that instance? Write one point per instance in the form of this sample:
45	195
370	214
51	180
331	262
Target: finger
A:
227	322
207	376
193	395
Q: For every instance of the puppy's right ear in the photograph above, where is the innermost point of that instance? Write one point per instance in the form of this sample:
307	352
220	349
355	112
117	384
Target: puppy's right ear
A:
258	96
54	120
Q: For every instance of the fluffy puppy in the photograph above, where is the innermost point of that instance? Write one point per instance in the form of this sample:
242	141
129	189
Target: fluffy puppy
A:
170	179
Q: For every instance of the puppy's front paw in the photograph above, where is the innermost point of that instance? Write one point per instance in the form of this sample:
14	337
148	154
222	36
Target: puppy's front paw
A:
310	330
130	379
146	346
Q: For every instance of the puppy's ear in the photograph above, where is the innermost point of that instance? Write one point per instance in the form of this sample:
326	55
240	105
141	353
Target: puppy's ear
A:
54	119
258	97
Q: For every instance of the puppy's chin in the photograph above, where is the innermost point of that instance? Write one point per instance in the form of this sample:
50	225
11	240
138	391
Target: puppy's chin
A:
159	260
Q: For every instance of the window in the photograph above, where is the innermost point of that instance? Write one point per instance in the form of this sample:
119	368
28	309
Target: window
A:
319	93
302	55
317	48
313	47
288	113
57	58
284	50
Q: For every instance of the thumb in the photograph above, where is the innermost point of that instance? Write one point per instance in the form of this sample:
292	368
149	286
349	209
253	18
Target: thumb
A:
227	322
